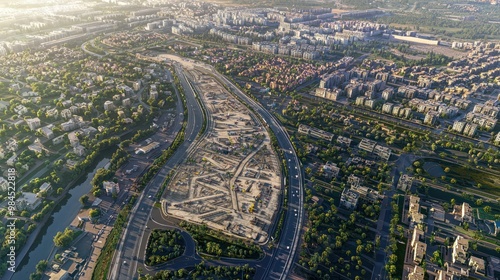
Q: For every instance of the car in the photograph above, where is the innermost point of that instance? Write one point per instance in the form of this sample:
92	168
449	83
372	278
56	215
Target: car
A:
149	196
124	262
288	247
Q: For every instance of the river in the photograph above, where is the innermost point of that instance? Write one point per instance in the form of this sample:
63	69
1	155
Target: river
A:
62	217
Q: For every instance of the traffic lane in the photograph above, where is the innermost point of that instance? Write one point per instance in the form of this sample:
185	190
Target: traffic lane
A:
158	179
138	223
136	235
129	248
284	144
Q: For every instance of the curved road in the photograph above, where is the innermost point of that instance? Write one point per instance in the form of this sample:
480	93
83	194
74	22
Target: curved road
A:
126	258
279	264
275	265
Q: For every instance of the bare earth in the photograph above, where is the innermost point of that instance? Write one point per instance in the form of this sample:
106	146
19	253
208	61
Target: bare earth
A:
231	180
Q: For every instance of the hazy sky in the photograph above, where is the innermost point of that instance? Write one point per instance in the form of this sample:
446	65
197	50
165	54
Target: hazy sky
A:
37	7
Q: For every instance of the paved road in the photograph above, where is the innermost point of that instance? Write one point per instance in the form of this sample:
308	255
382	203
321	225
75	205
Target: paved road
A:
89	52
275	265
279	264
385	216
126	259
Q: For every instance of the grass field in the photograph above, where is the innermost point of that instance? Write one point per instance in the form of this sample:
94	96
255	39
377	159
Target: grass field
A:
401	256
468	178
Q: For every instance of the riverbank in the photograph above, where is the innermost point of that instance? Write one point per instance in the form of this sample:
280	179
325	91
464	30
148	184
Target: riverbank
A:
61	216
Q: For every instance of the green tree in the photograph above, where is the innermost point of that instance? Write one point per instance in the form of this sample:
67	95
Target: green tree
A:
63	239
94	213
41	266
84	199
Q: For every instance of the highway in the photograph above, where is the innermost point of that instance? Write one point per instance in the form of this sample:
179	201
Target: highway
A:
275	265
126	258
283	257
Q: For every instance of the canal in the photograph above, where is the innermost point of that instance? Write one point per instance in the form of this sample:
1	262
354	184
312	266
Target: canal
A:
63	215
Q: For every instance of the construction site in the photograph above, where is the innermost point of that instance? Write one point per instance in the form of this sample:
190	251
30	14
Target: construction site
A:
231	180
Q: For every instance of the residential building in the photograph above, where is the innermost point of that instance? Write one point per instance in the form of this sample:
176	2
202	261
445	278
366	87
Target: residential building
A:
405	182
470	129
52	113
458	126
20	110
12	145
47	131
444	275
497	139
360	100
383	152
46	188
388	93
387	108
437	212
419	251
370	103
417	235
109	105
36	147
33	124
318	133
12	160
58	140
69	125
396	109
367	145
74	109
417	273
126	102
414	215
464	213
66	114
28	201
73	139
366	194
431	117
111	187
344	141
330	94
353	180
79	150
460	248
330	170
4	184
478	265
349	199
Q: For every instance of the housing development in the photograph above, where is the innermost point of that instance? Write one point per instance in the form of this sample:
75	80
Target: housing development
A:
280	139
